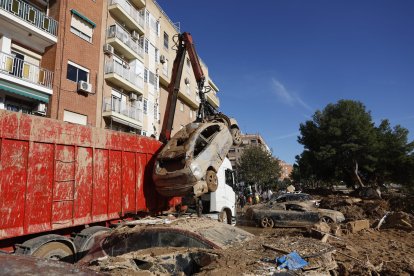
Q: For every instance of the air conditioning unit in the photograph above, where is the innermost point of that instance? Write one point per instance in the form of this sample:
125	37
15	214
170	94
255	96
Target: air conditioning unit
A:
133	97
135	35
84	86
40	108
162	59
108	49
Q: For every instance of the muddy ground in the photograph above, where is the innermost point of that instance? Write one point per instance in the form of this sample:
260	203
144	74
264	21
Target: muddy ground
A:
388	250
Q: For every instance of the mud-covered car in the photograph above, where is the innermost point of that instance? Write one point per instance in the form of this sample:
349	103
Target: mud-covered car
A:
303	197
290	214
162	233
189	162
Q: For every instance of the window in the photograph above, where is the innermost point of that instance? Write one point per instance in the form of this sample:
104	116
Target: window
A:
165	68
229	177
145	106
155	111
77	73
146	46
147	15
81	28
145	75
151	78
191	114
166	40
158	28
75	118
181	106
156	56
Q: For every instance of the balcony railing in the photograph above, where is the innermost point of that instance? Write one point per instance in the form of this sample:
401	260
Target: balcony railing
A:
125	72
130	10
24	70
133	111
31	15
118	32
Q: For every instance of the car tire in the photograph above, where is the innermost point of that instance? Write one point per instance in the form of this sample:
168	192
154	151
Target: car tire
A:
267	222
326	220
212	181
236	135
225	216
55	251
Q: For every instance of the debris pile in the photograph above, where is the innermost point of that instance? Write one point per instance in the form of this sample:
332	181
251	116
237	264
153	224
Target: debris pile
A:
374	240
399	220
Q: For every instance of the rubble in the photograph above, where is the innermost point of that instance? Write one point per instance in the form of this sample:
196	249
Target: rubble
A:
350	248
357	225
399	220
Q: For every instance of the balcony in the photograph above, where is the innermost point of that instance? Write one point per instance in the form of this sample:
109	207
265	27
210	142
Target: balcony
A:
139	3
123	43
25	74
212	95
124	77
213	99
126	113
25	22
125	13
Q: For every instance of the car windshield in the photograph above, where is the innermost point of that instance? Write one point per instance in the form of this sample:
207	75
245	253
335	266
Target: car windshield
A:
293	197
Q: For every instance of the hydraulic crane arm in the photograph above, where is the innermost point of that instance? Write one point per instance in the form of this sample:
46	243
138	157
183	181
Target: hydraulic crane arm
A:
185	44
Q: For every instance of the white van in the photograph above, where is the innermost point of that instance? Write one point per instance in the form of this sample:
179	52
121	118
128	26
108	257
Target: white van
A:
221	204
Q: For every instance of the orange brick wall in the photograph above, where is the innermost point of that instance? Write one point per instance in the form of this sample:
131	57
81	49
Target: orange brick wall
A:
73	48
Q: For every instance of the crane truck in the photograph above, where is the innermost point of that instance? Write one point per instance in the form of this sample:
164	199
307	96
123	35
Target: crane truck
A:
188	163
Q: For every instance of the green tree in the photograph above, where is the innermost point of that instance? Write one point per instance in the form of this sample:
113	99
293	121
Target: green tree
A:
341	143
395	158
257	166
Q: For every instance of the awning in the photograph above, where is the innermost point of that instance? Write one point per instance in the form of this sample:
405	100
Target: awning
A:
83	17
124	122
22	91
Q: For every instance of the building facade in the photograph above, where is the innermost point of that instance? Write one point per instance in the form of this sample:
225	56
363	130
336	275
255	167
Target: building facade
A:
28	37
286	170
257	140
248	140
104	63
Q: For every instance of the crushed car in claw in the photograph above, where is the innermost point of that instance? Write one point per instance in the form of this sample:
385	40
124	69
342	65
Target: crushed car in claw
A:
290	214
189	162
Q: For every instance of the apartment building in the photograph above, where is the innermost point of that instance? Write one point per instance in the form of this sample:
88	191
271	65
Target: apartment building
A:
188	99
286	170
248	140
104	63
28	32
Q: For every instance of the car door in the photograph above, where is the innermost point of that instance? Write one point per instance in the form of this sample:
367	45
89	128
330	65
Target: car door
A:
297	215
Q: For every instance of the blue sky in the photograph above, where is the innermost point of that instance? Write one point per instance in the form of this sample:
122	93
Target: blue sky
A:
277	62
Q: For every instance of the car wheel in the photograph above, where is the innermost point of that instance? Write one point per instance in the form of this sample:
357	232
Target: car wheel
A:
211	179
236	135
55	251
266	222
326	220
225	216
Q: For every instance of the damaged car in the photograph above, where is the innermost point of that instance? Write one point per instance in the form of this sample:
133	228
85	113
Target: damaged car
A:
290	214
189	162
306	198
